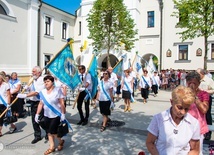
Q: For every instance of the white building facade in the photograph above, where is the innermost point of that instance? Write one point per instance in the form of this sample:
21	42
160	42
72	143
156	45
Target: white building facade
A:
33	32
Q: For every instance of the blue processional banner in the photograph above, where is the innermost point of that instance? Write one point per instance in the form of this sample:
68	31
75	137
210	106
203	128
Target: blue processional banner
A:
94	77
62	66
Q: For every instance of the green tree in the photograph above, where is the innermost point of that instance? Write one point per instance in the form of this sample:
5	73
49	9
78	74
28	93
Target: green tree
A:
196	18
110	24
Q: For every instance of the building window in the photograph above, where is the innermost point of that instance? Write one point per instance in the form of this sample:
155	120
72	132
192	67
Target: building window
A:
212	51
2	10
183	52
151	18
80	26
64	30
47	25
47	58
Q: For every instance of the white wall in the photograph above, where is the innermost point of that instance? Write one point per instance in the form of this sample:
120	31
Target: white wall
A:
17	41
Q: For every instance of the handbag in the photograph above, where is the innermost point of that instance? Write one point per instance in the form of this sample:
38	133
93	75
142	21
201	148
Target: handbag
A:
146	84
62	129
42	121
9	118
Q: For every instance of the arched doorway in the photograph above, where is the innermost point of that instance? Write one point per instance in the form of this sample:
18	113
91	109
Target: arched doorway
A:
145	60
102	60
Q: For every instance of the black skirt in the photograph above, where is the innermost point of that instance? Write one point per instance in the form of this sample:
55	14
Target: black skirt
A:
118	90
52	124
105	107
126	94
2	109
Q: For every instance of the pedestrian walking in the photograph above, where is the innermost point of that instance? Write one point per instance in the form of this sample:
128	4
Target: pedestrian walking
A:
105	98
127	89
33	95
54	97
145	86
84	95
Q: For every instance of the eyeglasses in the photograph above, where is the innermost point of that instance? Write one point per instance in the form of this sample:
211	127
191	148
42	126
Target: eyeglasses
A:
80	69
105	73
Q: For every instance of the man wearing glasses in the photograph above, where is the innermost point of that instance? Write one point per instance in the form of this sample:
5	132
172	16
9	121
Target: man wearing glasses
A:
84	95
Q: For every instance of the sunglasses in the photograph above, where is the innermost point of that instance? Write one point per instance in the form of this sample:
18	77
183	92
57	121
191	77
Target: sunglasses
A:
105	73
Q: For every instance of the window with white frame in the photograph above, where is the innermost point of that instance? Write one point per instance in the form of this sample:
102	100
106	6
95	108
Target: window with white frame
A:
64	30
151	18
47	58
2	10
212	51
47	25
183	52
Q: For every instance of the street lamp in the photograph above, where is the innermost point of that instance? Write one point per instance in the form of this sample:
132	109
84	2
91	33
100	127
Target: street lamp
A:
81	50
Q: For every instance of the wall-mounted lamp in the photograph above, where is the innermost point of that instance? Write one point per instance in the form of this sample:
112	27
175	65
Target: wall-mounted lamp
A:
168	53
199	52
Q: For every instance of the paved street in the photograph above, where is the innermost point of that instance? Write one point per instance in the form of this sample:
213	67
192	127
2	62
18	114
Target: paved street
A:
125	136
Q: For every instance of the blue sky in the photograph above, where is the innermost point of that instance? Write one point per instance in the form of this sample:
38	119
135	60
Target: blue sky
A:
67	5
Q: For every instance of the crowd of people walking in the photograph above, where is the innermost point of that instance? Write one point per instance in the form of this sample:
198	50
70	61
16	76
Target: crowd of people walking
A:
47	90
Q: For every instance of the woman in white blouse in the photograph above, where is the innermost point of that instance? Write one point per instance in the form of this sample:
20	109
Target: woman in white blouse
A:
4	97
127	89
175	131
105	97
145	85
55	98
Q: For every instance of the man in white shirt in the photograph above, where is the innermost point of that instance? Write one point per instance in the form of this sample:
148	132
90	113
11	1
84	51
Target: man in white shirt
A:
34	89
83	92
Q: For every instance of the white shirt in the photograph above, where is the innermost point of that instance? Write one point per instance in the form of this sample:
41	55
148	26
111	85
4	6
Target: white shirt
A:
133	74
37	86
86	79
172	139
128	81
142	83
14	84
113	77
60	85
52	99
107	85
3	91
209	75
156	80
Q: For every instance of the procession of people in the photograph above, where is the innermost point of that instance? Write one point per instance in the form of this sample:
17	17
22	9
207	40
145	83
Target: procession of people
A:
47	90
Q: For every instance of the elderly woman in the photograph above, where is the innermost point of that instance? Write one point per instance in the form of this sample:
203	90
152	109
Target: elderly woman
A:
4	97
55	98
105	97
175	131
201	104
15	88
